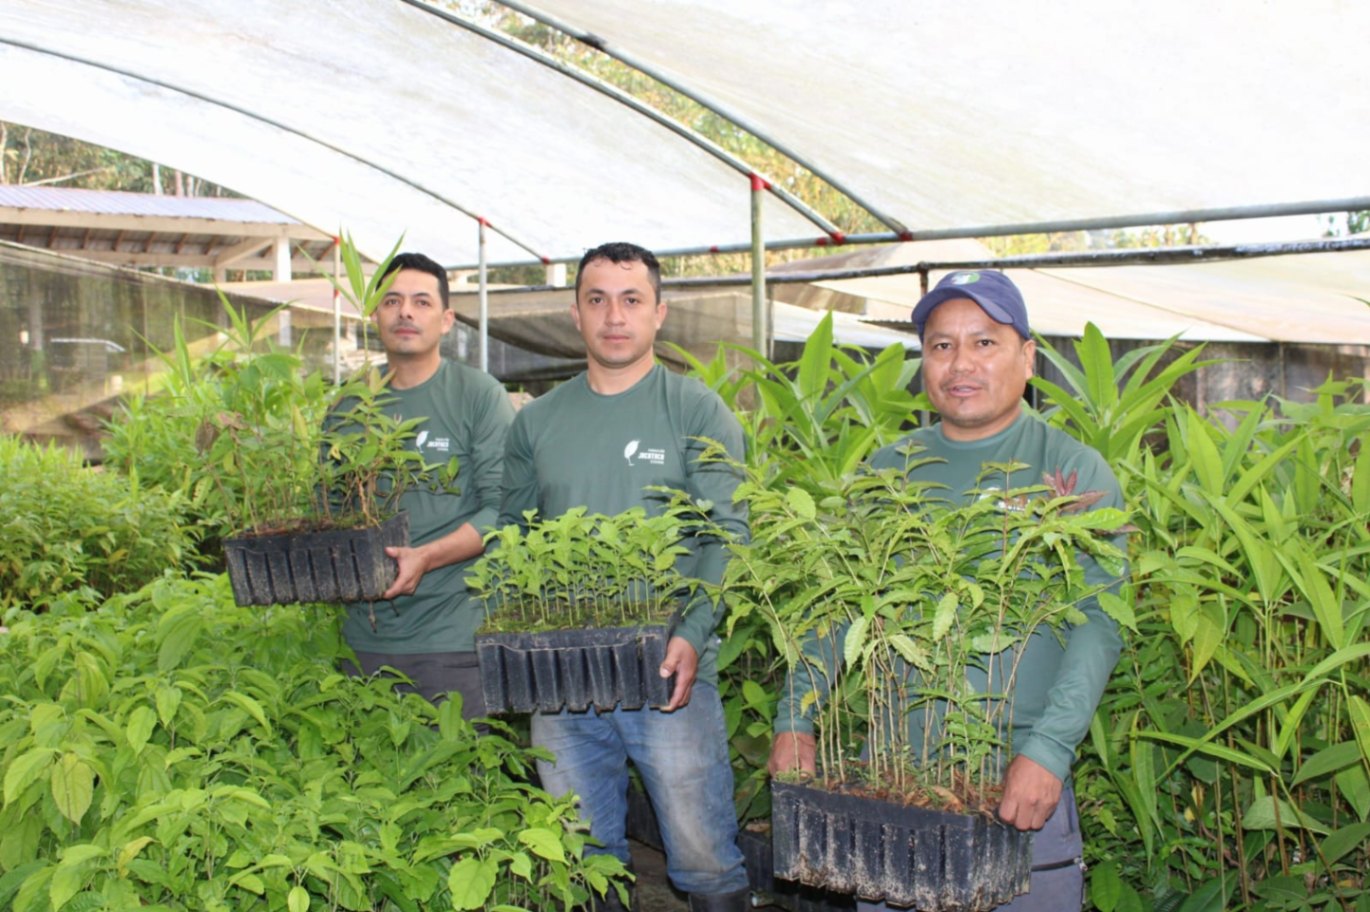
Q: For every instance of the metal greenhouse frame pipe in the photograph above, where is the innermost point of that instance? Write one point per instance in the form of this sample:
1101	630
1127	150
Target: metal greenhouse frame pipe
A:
760	317
1132	256
337	312
483	296
1232	213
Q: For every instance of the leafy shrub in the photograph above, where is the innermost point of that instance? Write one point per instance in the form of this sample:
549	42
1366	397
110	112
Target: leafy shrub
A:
914	589
176	752
808	423
1229	763
161	440
64	526
583	569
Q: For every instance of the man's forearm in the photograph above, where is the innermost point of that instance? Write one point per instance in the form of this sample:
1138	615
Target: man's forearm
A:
461	544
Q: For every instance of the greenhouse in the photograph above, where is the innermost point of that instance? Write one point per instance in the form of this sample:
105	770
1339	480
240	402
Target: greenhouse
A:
994	531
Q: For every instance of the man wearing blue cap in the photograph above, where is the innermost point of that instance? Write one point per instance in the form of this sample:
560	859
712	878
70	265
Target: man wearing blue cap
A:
977	360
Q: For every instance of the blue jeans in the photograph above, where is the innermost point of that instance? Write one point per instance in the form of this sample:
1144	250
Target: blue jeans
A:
682	757
1058	873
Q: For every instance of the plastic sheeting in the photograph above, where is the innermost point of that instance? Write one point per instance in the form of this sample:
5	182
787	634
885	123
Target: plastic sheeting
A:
380	118
372	116
997	111
1313	298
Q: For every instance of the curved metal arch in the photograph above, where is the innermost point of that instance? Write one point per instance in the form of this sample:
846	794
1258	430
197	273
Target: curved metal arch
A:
629	101
190	93
737	120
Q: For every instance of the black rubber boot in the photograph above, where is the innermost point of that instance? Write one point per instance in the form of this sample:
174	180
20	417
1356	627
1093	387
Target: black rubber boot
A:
738	901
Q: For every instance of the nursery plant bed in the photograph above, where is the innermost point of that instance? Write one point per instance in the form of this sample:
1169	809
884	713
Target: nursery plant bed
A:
548	671
340	565
906	856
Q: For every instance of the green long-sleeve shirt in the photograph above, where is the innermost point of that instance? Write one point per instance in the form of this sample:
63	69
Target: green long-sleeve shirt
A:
467	415
574	447
1059	680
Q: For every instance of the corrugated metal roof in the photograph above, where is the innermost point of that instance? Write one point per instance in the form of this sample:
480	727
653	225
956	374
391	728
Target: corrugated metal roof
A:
116	202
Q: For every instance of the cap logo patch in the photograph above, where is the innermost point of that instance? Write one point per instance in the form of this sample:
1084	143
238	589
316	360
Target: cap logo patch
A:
965	278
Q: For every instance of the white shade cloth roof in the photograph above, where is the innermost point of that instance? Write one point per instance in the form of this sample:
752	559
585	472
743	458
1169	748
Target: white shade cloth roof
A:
998	111
380	118
373	116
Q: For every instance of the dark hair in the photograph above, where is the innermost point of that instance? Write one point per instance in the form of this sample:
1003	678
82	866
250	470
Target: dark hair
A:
423	264
623	252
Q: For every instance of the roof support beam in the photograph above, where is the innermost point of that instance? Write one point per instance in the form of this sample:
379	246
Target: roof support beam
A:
1183	217
229	256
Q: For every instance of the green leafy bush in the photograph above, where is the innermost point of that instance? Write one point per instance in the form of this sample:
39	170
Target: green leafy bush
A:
173	751
1229	763
259	445
64	526
807	423
161	440
913	589
583	569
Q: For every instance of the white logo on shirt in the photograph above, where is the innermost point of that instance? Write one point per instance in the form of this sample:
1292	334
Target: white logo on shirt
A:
441	444
653	455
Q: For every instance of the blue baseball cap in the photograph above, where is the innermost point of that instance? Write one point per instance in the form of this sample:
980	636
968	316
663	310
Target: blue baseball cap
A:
992	290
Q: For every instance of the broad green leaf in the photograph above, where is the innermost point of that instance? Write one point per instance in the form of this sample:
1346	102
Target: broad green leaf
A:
1204	457
71	873
1328	760
243	794
545	843
521	865
800	502
130	851
1184	615
470	882
253	707
1261	554
1360	481
1204	746
141	722
1290	725
298	900
1208	898
176	634
1344	656
910	651
1354	786
1119	609
992	643
249	881
1269	813
1097	361
754	694
1302	568
855	640
168	700
1359	710
944	616
1339	842
26	770
1208	635
73	786
1105	886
